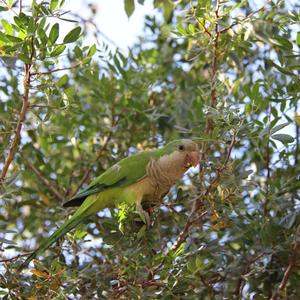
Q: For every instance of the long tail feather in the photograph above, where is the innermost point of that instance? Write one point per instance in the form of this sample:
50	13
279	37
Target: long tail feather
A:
76	219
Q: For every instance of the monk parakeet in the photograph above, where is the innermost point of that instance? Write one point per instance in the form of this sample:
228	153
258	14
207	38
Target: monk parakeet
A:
141	179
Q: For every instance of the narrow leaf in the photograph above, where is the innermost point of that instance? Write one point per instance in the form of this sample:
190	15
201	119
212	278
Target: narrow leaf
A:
24	58
53	4
283	138
278	127
92	50
7	27
58	50
62	80
298	38
129	7
72	36
54	32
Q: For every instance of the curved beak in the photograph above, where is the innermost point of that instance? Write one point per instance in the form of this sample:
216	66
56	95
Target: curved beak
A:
193	158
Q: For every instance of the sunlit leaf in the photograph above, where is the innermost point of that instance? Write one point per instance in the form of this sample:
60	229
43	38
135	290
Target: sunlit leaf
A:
73	35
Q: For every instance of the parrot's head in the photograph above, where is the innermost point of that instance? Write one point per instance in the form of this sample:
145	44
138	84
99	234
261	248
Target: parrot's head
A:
182	153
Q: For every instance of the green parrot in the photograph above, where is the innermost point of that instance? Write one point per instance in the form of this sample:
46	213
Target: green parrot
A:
142	179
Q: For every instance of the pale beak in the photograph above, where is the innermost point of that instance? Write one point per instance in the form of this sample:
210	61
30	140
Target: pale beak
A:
193	158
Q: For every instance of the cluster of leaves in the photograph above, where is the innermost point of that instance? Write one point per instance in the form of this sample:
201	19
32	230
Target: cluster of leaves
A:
226	73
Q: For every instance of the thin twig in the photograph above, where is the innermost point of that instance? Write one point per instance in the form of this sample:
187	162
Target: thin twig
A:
213	92
205	28
288	271
14	258
114	123
246	17
241	281
16	139
57	70
89	170
198	202
42	177
184	232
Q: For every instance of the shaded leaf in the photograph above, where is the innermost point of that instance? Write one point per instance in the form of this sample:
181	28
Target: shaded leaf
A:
284	138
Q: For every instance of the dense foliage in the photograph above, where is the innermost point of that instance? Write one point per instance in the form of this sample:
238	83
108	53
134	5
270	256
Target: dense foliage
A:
223	72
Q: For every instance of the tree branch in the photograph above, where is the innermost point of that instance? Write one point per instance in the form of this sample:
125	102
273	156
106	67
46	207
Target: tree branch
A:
288	271
213	92
41	176
114	123
246	17
198	202
57	70
16	139
14	258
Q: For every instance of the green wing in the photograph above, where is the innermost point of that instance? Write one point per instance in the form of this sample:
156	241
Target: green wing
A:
123	173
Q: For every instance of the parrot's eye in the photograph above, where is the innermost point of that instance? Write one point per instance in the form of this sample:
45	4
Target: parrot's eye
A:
181	147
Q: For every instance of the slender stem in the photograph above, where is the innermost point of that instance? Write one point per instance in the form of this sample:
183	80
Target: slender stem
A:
42	177
292	263
17	136
57	70
213	92
245	18
198	202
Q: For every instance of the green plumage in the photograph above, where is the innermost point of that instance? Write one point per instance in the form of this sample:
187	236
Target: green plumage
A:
107	190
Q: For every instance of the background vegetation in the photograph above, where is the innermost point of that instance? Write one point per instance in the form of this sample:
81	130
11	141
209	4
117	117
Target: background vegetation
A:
226	72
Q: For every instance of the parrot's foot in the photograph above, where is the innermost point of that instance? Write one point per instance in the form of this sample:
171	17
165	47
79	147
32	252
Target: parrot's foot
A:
143	215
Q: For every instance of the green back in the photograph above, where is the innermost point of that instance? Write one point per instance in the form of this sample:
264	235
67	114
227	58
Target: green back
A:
124	173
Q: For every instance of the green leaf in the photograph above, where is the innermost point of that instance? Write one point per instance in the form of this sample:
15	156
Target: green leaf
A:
7	27
283	138
6	241
298	38
281	42
288	220
3	37
3	8
92	50
13	39
62	80
53	4
54	33
279	68
278	127
24	58
73	35
78	52
58	50
129	7
42	35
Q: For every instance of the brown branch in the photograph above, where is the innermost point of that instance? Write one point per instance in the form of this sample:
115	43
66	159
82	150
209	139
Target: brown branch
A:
114	123
205	28
54	191
241	281
16	139
14	258
89	170
57	70
267	161
213	93
293	261
184	232
246	18
198	202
